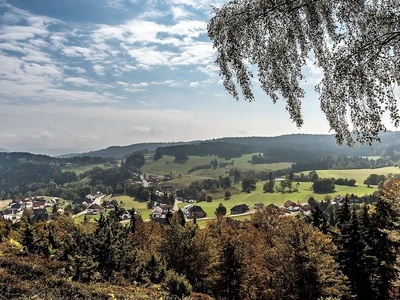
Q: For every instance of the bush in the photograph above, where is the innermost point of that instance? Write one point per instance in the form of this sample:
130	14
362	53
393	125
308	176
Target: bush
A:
177	284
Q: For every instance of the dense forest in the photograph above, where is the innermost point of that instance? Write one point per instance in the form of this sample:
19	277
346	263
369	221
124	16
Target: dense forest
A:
353	255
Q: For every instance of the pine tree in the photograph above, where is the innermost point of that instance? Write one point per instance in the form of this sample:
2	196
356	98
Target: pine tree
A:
384	248
132	222
343	215
230	269
319	220
353	260
181	217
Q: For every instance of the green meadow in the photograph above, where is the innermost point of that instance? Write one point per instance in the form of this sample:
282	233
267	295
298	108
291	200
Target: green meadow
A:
183	178
358	174
82	169
256	196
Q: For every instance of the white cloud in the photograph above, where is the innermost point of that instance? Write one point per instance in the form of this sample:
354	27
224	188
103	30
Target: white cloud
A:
179	12
79	81
147	57
100	70
75	51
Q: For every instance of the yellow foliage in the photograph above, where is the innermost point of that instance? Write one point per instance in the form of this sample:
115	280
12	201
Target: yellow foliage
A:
17	244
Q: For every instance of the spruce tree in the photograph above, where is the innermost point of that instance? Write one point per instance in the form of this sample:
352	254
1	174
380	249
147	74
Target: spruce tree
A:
343	215
353	260
384	248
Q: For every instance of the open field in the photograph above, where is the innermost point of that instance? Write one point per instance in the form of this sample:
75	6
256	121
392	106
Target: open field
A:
183	178
79	170
358	174
4	203
256	196
302	196
130	203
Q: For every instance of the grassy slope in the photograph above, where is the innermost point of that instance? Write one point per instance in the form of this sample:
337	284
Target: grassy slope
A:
358	174
166	166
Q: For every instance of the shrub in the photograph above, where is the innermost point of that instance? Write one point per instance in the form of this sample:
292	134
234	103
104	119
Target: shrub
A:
177	284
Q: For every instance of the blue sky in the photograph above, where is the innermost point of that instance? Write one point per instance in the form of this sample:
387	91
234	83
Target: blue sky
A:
80	75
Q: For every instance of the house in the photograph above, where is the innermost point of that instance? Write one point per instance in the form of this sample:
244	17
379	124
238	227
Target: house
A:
258	205
26	204
15	206
166	208
291	207
40	214
80	201
8	214
289	203
38	203
239	209
153	178
305	207
273	209
125	215
195	211
94	209
136	178
157	212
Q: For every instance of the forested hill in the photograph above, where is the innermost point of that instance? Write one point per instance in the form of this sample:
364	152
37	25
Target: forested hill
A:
302	147
295	147
120	152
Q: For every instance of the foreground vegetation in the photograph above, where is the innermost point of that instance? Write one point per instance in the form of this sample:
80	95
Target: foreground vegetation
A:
353	255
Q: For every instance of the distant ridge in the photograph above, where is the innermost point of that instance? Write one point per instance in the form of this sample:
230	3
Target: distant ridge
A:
120	152
3	150
306	143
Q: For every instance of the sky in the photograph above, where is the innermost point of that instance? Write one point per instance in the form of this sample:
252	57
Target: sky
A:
81	75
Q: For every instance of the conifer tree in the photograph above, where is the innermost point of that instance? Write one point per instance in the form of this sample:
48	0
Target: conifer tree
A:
384	248
353	260
343	215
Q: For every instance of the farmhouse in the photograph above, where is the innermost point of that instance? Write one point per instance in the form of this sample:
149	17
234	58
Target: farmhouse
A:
258	205
94	209
125	215
159	213
272	208
239	209
195	211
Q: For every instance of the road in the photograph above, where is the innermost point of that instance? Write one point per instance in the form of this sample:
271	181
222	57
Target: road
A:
96	200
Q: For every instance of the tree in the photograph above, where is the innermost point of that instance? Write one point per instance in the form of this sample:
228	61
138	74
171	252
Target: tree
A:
157	155
220	211
355	45
248	184
324	185
374	179
135	161
180	156
354	261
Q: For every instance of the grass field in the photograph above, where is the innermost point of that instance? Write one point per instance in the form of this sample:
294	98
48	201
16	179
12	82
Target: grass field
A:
4	203
130	203
183	178
358	174
256	196
79	170
302	196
